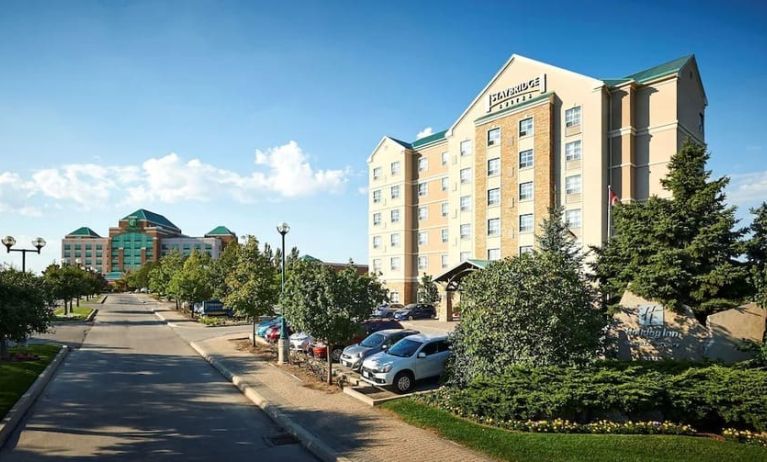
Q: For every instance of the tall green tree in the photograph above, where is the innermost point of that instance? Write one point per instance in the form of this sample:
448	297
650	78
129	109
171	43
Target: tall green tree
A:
756	253
677	250
556	238
192	283
427	290
221	267
25	307
161	273
253	285
330	305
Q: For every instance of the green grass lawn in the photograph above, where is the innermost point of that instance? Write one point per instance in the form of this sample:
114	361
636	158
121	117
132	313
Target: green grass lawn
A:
78	312
17	377
519	446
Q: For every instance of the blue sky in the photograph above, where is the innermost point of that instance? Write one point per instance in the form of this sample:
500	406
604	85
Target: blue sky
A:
250	113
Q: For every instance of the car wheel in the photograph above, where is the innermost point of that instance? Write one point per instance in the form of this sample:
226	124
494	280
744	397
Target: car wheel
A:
403	382
335	355
410	318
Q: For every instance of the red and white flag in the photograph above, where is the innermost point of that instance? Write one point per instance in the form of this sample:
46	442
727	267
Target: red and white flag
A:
614	199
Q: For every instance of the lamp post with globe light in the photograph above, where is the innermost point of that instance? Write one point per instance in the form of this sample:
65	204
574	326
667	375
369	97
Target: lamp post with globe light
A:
9	241
282	344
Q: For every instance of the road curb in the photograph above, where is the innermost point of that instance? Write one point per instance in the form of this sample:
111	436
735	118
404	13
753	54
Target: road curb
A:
93	314
307	439
19	410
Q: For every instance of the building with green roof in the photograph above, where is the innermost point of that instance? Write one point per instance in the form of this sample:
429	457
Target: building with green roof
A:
139	237
535	136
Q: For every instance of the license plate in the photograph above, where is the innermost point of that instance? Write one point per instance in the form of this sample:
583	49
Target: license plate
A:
366	374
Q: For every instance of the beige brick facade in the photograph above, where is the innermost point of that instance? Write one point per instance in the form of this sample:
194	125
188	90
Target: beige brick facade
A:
581	134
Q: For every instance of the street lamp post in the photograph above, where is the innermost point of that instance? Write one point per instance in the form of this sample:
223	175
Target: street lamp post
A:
9	241
283	347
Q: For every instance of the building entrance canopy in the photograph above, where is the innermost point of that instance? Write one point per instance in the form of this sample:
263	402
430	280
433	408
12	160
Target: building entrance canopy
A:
452	278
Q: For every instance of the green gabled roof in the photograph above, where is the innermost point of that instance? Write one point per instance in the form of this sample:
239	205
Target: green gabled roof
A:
83	232
153	218
661	70
220	231
404	144
309	258
514	107
433	138
481	264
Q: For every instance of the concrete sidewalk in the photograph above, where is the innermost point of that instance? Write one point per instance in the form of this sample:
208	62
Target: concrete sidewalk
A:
350	428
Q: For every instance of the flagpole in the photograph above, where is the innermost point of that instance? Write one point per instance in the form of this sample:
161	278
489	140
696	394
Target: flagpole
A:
609	211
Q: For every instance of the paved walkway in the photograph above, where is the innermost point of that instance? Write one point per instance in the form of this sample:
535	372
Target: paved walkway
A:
351	428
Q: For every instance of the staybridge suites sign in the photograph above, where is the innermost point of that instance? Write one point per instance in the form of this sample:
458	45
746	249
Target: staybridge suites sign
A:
518	93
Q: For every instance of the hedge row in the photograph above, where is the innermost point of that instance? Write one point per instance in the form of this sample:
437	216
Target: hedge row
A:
706	397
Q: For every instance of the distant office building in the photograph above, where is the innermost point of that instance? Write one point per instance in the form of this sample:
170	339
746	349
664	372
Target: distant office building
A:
535	136
138	238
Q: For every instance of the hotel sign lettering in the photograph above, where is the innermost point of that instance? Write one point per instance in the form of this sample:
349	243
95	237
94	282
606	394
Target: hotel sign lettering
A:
517	93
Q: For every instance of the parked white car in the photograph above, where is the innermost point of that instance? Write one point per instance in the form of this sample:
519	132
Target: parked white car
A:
413	358
301	341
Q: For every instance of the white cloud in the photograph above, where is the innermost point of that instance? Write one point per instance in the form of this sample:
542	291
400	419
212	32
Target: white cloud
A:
424	133
747	189
363	190
279	172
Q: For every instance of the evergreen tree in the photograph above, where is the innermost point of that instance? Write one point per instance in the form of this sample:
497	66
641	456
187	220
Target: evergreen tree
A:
756	253
556	238
677	250
427	290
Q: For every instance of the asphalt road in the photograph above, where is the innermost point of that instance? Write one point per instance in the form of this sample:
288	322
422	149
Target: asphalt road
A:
135	391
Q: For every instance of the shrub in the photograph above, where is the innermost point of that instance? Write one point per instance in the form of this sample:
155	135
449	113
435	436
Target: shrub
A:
707	397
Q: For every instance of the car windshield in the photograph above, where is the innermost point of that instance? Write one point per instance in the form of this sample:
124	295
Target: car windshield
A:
372	341
404	348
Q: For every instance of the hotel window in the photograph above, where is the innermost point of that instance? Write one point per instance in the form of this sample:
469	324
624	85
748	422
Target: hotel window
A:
526	159
494	196
493	254
394	297
377	196
523	249
376	242
395	192
445	157
573	184
573	117
494	227
525	127
394	240
423	213
423	237
493	136
395	168
423	189
377	173
443	260
423	262
445	208
423	164
465	147
573	218
445	183
526	223
465	231
573	151
377	265
443	234
376	219
465	175
493	167
526	191
465	203
465	256
395	216
394	263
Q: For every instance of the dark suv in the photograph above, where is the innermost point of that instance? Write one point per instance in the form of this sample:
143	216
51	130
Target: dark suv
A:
416	311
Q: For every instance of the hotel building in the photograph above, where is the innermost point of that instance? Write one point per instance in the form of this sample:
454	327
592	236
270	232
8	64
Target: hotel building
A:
138	238
535	136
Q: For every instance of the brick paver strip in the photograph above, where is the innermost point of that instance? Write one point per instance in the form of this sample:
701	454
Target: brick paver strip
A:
351	428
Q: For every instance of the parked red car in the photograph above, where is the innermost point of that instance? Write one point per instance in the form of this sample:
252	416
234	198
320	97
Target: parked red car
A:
320	350
273	333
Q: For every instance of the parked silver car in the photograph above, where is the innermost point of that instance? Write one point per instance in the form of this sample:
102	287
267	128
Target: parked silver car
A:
353	355
413	358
